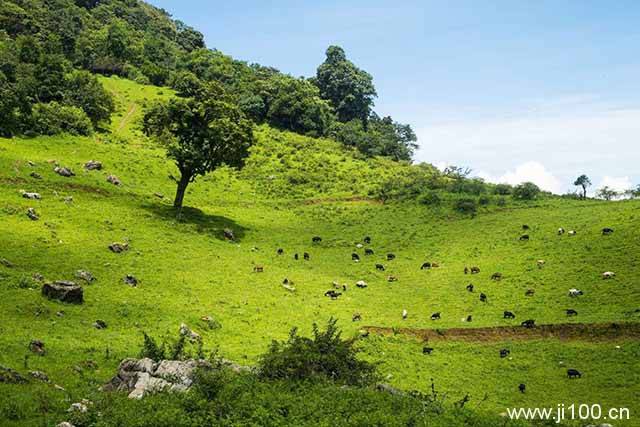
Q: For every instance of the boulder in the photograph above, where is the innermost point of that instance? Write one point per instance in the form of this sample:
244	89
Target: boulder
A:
100	324
31	196
112	179
187	332
130	280
117	248
40	376
35	175
6	263
32	214
9	376
64	291
93	165
85	275
62	171
229	234
37	347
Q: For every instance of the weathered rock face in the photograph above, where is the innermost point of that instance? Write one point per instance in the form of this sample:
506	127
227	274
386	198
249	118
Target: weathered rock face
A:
117	248
93	165
144	376
85	275
64	291
9	376
112	179
66	172
31	196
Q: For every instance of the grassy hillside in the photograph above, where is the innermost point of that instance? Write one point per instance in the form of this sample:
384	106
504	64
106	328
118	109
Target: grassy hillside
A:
295	188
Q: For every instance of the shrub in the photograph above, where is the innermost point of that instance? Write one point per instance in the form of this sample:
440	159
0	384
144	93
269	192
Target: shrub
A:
466	206
501	202
430	198
484	200
54	118
502	189
325	356
526	191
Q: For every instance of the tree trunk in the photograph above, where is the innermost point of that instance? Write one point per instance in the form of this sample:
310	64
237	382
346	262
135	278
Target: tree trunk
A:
182	188
584	192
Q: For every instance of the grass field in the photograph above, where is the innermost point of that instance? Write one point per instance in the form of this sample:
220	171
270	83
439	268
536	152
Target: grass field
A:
188	270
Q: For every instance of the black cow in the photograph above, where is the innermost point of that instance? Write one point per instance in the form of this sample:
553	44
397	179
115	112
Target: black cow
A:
475	270
368	251
280	251
571	312
427	350
425	266
574	373
356	317
504	353
333	294
466	270
529	324
522	388
296	257
355	257
529	293
483	297
316	239
496	276
525	227
367	240
470	287
606	231
469	318
509	315
435	316
380	267
524	237
391	257
306	256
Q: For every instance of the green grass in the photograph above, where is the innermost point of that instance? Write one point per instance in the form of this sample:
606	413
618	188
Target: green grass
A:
187	270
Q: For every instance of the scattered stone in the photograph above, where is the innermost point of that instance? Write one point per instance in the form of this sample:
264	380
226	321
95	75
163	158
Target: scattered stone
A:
93	165
130	280
65	424
100	324
32	214
30	163
59	387
31	196
9	376
6	263
82	406
159	195
62	171
361	284
64	291
144	376
112	179
60	313
68	199
85	275
37	277
40	376
229	235
37	347
119	247
35	175
187	332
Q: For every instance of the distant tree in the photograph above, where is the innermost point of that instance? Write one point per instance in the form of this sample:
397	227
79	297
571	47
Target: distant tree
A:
349	89
526	191
502	189
633	193
86	92
584	182
200	134
188	38
607	193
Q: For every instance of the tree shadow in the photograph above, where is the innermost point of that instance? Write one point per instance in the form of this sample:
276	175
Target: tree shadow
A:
201	222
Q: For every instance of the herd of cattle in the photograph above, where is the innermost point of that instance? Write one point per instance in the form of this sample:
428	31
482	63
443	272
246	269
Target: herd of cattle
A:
338	289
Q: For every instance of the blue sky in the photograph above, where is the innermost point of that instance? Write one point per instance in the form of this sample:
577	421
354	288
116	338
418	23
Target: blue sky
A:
516	90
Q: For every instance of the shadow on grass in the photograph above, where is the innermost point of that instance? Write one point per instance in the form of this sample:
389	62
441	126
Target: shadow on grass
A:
203	223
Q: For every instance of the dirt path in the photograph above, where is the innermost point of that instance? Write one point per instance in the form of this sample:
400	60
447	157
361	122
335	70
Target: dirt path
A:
126	118
562	331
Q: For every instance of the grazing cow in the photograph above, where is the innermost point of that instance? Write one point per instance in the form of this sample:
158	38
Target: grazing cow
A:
504	353
286	282
361	284
296	257
391	257
355	257
573	292
306	256
280	251
425	266
571	312
561	231
332	294
483	297
469	318
525	227
606	231
508	315
335	285
435	316
529	293
344	288
380	267
608	275
229	234
316	239
427	350
356	317
522	388
392	279
496	276
475	270
540	263
572	232
466	270
524	237
368	251
405	314
367	240
573	373
529	324
258	269
470	287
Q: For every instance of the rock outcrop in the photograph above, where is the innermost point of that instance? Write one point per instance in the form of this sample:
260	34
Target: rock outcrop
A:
64	291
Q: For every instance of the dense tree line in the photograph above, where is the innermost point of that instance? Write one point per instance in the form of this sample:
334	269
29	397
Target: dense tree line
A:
43	42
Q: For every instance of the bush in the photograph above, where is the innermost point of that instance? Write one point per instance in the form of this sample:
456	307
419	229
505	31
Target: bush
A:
501	202
526	191
325	356
54	118
484	200
502	189
430	198
466	206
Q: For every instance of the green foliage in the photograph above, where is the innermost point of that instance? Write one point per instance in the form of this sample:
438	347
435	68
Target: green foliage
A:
152	350
429	198
526	191
503	189
466	206
85	91
54	118
607	193
325	356
584	182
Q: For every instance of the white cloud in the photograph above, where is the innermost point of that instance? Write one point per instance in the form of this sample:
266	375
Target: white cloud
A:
617	183
530	171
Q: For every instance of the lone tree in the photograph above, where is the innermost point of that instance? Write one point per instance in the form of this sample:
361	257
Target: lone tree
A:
200	134
584	182
607	193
